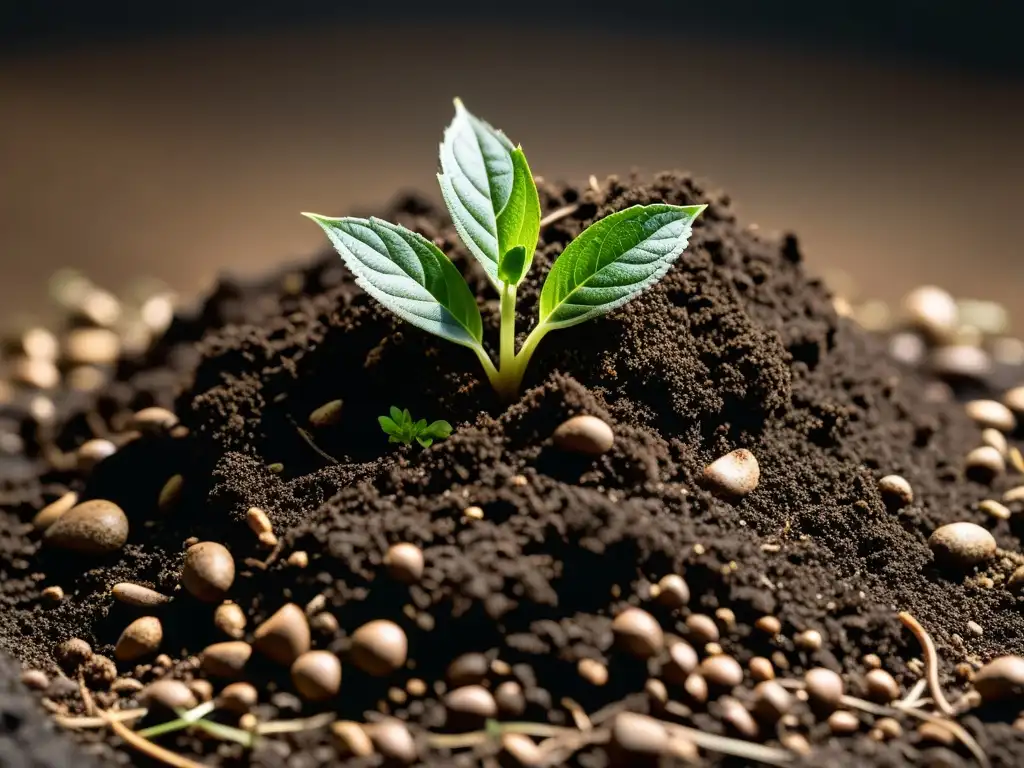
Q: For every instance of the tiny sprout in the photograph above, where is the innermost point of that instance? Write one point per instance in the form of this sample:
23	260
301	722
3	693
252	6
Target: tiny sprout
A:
400	428
490	192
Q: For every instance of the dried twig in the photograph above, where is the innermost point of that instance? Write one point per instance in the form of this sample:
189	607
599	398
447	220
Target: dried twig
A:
559	213
312	444
914	695
294	726
931	662
82	723
83	690
147	747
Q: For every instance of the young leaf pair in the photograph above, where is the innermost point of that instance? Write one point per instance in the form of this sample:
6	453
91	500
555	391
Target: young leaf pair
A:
491	195
400	428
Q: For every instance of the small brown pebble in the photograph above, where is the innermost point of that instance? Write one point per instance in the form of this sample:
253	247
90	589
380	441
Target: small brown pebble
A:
890	727
736	716
140	638
92	452
871	661
522	749
994	509
209	571
995	439
961	545
808	640
298	559
73	653
721	672
510	699
594	672
170	494
99	672
1001	679
984	464
682	661
843	723
696	688
153	420
284	636
169	694
881	686
267	539
258	521
702	629
35	679
52	512
772	701
226	659
238	698
327	415
991	414
824	687
472	700
975	628
673	591
316	675
137	595
638	633
467	669
587	435
761	668
94	527
53	594
393	740
351	739
736	474
203	689
635	734
935	733
324	623
379	647
230	619
896	491
769	625
404	563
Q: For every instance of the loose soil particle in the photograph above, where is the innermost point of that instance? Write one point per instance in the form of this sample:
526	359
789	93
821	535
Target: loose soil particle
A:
737	348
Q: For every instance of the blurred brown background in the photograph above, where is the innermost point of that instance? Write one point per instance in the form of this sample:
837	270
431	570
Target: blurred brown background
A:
184	155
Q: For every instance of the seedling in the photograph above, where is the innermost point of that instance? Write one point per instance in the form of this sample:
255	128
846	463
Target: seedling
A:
400	428
491	195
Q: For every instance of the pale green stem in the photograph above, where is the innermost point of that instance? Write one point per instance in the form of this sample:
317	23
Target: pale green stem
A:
522	359
508	329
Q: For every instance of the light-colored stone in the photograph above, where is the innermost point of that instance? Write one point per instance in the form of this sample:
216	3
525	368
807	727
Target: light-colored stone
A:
588	435
962	545
735	475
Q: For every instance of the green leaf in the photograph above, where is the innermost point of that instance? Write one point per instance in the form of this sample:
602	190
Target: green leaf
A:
426	442
419	426
439	429
396	414
408	274
489	190
388	425
512	265
613	261
406	418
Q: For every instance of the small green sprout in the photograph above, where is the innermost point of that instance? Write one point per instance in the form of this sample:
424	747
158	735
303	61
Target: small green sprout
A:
400	428
492	197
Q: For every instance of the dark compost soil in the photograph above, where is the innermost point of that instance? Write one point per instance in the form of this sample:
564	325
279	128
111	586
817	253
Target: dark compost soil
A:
736	347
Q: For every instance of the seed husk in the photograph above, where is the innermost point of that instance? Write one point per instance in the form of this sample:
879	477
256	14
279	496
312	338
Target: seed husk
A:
379	647
961	545
53	511
169	694
230	619
405	562
734	475
226	659
587	435
316	675
284	636
327	415
138	595
94	527
638	633
209	571
139	639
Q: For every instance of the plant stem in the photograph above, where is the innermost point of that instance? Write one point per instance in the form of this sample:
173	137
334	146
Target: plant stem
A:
507	355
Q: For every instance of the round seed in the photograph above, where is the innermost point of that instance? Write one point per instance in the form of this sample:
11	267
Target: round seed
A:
896	491
138	595
92	346
393	740
843	723
73	653
170	494
405	563
53	594
316	675
1014	400
994	509
882	687
230	619
962	545
932	311
995	439
769	625
153	420
984	464
324	623
1001	679
35	372
467	669
636	734
209	571
736	474
961	362
350	739
327	415
824	687
169	694
722	672
727	617
702	629
889	727
379	647
268	539
474	700
673	591
238	698
510	698
258	521
594	672
584	434
99	672
737	716
92	452
94	527
991	414
226	659
53	511
140	638
808	640
638	633
682	661
761	668
298	559
772	701
284	636
1014	495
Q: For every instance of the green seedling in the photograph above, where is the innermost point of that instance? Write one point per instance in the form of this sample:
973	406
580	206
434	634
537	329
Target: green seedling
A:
492	197
400	428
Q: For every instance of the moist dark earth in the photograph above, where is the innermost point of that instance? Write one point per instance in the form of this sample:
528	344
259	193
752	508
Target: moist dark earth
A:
736	348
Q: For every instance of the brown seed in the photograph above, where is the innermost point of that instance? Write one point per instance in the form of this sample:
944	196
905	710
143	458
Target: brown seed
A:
316	675
153	420
871	661
230	619
769	625
889	727
209	571
682	661
71	654
991	414
932	311
994	509
327	415
727	617
238	698
881	686
1016	581
587	435
638	633
472	700
35	372
94	527
673	591
896	491
324	623
961	362
935	733
808	640
522	749
53	594
995	439
761	668
467	669
268	539
258	521
169	694
284	636
379	647
35	679
696	688
824	687
137	595
127	685
594	672
1014	495
405	563
984	464
53	511
961	545
226	659
635	734
702	628
722	672
795	742
170	494
735	474
843	723
736	715
351	739
393	740
510	698
1001	679
203	689
298	559
772	701
656	691
92	452
1014	400
140	638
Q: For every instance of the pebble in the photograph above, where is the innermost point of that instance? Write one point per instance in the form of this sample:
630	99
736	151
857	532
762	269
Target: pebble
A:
35	679
636	734
327	415
995	439
404	563
721	672
92	452
824	687
316	675
258	521
638	633
1001	679
226	659
961	545
994	509
593	671
92	346
984	464
682	661
53	511
474	700
737	716
153	420
209	571
93	527
808	640
587	435
284	636
379	647
761	668
137	595
961	362
140	638
170	494
238	698
843	723
991	414
769	625
881	686
771	701
735	474
702	629
896	491
467	669
1014	400
933	311
170	694
73	653
230	619
393	740
672	591
522	749
510	698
